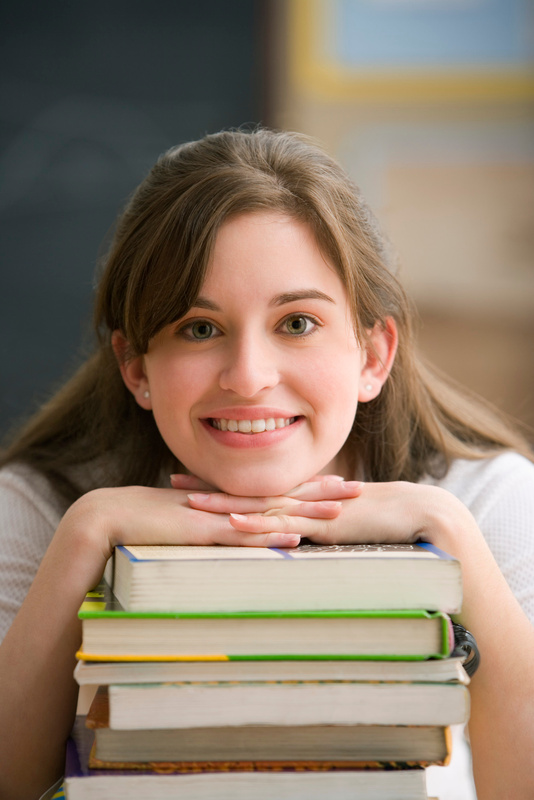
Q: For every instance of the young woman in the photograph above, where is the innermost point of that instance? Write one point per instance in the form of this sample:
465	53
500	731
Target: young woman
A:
255	345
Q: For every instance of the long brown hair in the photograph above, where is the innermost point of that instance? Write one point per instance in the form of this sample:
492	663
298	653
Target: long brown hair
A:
153	272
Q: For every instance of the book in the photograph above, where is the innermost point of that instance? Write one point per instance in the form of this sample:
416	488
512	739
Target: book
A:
111	633
97	673
308	577
370	745
297	782
202	705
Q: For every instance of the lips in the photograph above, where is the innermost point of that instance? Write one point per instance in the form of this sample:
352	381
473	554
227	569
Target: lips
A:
251	426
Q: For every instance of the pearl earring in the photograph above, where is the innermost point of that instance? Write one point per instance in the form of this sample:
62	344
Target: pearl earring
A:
369	387
146	394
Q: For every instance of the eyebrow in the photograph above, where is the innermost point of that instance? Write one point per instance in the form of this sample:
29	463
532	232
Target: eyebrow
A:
278	300
300	294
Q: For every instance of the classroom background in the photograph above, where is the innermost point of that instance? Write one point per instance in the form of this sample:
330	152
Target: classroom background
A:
429	106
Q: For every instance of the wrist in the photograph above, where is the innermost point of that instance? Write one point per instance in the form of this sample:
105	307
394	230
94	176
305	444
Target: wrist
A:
82	540
448	524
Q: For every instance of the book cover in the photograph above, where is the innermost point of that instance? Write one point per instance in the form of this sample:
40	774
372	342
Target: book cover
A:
109	632
96	673
308	577
216	783
362	745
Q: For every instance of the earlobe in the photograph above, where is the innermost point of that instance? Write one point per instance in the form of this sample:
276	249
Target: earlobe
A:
380	354
132	370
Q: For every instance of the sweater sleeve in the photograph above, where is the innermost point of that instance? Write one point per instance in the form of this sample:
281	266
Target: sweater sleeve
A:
29	516
499	492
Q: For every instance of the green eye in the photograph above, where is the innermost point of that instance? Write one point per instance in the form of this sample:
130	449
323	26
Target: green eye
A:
299	325
201	329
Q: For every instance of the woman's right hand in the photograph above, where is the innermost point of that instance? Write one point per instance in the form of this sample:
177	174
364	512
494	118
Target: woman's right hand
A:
140	515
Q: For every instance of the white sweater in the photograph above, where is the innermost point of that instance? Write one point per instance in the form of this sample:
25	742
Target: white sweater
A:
498	491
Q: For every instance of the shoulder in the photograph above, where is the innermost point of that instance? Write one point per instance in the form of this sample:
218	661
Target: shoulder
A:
24	490
481	483
499	492
30	512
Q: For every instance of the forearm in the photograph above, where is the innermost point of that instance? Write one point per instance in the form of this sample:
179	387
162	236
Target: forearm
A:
37	658
502	691
501	723
37	690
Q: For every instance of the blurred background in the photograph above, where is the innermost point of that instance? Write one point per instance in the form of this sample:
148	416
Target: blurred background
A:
429	105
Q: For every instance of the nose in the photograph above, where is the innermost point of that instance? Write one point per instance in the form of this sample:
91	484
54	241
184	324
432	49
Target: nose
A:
250	367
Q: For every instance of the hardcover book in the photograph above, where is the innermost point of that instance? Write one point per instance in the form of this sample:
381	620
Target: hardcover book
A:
369	745
202	705
305	781
97	673
111	633
309	577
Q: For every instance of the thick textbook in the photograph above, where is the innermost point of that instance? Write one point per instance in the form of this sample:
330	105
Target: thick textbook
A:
308	577
369	745
217	705
299	782
97	673
109	632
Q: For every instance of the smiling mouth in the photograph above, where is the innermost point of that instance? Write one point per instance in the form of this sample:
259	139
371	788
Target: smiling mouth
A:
251	425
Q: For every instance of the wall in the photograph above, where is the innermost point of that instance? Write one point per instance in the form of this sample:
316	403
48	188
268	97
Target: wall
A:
429	106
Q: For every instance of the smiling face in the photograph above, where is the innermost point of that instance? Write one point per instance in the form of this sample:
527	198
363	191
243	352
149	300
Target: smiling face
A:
256	388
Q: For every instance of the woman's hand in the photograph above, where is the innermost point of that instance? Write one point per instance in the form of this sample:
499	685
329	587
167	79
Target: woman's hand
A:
319	499
397	512
140	515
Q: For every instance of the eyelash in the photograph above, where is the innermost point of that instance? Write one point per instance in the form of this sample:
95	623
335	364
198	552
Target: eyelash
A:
315	322
185	330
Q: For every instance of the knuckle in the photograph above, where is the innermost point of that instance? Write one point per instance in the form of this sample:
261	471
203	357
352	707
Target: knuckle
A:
328	532
286	522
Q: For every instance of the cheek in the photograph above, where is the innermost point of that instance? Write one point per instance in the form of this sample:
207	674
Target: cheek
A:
176	383
333	382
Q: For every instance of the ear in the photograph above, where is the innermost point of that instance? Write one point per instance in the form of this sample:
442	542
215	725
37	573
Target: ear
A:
379	356
132	370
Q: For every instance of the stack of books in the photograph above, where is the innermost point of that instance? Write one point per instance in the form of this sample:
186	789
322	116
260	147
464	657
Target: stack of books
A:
321	671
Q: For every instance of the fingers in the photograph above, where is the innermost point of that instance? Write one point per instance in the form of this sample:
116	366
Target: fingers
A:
326	477
220	503
282	524
324	509
267	539
327	489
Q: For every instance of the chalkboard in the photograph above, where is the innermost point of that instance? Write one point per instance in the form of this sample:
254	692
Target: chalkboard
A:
91	92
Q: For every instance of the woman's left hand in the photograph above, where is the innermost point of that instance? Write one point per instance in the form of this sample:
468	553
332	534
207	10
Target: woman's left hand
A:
396	512
329	510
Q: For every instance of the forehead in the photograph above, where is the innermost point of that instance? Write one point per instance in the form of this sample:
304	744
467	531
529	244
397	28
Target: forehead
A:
268	251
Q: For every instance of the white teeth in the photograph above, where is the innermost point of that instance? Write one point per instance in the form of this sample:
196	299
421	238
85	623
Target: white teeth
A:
252	425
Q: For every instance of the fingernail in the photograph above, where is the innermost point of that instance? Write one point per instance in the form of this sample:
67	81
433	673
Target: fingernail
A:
239	517
179	477
199	497
330	503
291	539
351	485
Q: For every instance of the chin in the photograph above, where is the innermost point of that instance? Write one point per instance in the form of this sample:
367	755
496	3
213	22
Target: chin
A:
251	485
